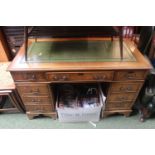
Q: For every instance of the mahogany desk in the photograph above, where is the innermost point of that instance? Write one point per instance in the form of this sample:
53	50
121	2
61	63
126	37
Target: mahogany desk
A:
35	77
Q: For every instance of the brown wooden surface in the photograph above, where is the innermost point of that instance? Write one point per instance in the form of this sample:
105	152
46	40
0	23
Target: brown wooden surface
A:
79	76
125	87
121	97
5	54
141	62
37	98
39	108
118	105
125	80
6	81
32	89
130	75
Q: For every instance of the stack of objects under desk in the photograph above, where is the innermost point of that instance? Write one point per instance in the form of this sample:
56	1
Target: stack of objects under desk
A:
34	80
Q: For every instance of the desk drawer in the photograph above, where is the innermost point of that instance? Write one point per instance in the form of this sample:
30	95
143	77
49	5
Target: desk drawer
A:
121	97
39	108
130	75
28	76
36	100
125	87
80	76
118	105
33	89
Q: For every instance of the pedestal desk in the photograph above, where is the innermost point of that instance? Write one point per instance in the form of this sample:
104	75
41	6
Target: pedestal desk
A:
34	78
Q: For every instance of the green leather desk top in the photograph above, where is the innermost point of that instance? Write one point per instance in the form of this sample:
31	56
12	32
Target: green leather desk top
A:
79	51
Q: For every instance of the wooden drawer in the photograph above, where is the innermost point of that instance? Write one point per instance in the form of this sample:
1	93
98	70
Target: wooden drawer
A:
36	99
33	89
125	87
39	108
121	97
130	75
28	76
80	76
118	105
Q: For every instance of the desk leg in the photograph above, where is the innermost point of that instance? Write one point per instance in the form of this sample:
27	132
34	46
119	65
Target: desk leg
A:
2	101
18	101
31	115
127	114
14	101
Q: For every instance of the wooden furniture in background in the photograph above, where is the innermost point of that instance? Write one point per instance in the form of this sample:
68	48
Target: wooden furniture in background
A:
4	49
14	37
35	80
7	88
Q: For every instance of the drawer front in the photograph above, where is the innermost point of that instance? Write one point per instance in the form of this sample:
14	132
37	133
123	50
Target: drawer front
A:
39	108
130	75
36	99
80	76
33	89
121	97
28	76
118	105
125	87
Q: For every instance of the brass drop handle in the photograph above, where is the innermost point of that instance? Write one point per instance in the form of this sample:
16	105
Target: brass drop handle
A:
129	88
35	91
64	77
103	76
55	77
130	75
125	89
122	98
33	100
118	104
30	77
33	76
121	88
96	77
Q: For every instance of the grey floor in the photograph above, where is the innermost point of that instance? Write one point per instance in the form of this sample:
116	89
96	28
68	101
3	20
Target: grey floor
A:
20	121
